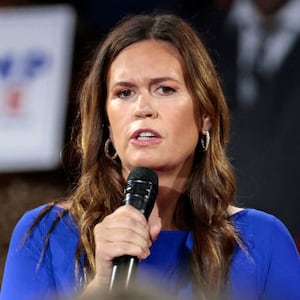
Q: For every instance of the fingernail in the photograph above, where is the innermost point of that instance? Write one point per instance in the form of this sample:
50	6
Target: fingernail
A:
147	253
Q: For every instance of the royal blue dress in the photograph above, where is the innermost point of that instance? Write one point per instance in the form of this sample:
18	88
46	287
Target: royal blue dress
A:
268	269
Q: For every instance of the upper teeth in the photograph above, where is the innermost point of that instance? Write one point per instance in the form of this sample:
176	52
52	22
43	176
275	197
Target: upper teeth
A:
145	135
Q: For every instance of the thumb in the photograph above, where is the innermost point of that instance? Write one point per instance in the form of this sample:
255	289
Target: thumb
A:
154	223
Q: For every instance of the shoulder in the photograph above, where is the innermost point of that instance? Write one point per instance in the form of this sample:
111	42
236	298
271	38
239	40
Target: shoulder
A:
268	263
256	221
40	213
250	217
40	220
259	229
41	254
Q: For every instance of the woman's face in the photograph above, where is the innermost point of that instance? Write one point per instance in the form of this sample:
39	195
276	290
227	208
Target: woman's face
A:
150	110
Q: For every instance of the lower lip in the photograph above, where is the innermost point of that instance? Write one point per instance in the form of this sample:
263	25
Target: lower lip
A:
146	142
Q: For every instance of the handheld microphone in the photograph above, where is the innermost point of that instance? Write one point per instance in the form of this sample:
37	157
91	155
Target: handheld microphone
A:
140	192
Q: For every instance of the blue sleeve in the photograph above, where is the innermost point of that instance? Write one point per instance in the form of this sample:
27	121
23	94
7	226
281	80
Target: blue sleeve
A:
25	277
283	274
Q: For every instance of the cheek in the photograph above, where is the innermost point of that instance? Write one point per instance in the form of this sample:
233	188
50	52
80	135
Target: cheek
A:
114	132
187	124
117	130
113	117
191	134
190	131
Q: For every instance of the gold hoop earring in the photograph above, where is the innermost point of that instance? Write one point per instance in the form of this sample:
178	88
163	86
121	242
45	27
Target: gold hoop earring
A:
205	139
108	144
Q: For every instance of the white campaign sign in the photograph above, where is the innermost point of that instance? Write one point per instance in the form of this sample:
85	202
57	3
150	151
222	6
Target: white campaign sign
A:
36	46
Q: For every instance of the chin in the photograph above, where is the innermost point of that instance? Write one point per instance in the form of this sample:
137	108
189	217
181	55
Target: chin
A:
147	164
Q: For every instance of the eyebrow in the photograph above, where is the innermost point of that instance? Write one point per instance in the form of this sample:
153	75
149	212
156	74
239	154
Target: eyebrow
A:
162	79
123	83
152	81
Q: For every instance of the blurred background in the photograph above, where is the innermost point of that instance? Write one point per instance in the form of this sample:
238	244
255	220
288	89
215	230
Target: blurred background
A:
254	44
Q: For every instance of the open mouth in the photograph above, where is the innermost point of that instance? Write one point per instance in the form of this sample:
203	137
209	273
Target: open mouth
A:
145	136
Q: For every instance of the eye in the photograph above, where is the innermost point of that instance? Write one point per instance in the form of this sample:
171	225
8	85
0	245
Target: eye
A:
125	93
166	90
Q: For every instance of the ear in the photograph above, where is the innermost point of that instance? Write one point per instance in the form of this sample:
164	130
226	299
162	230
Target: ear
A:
206	124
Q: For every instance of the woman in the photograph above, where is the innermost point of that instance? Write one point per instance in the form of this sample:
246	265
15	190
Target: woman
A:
152	98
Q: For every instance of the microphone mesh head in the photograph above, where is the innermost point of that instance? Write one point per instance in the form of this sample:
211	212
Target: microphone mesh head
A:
143	173
141	189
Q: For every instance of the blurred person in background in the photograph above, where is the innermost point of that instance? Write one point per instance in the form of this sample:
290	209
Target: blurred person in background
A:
152	98
261	70
145	292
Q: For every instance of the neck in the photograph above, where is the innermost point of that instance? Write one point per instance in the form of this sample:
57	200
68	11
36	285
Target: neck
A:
170	190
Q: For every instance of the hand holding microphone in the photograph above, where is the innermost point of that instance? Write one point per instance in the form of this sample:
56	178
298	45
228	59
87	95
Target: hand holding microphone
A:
140	192
123	237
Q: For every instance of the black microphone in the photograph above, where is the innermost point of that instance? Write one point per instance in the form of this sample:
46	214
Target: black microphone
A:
140	192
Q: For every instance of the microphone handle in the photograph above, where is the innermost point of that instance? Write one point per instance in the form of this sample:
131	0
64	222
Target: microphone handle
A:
141	194
123	270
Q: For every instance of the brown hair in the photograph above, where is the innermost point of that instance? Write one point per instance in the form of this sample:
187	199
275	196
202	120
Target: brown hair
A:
211	187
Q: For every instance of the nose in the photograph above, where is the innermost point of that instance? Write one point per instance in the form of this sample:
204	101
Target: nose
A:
145	107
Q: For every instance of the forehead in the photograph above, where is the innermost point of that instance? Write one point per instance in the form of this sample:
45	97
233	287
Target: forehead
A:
148	55
152	44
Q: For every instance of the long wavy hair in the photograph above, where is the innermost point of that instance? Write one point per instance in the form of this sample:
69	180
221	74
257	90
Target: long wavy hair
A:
211	186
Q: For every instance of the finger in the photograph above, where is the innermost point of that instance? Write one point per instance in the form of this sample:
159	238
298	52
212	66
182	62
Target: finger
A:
127	236
131	213
118	249
122	227
154	223
120	241
127	218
